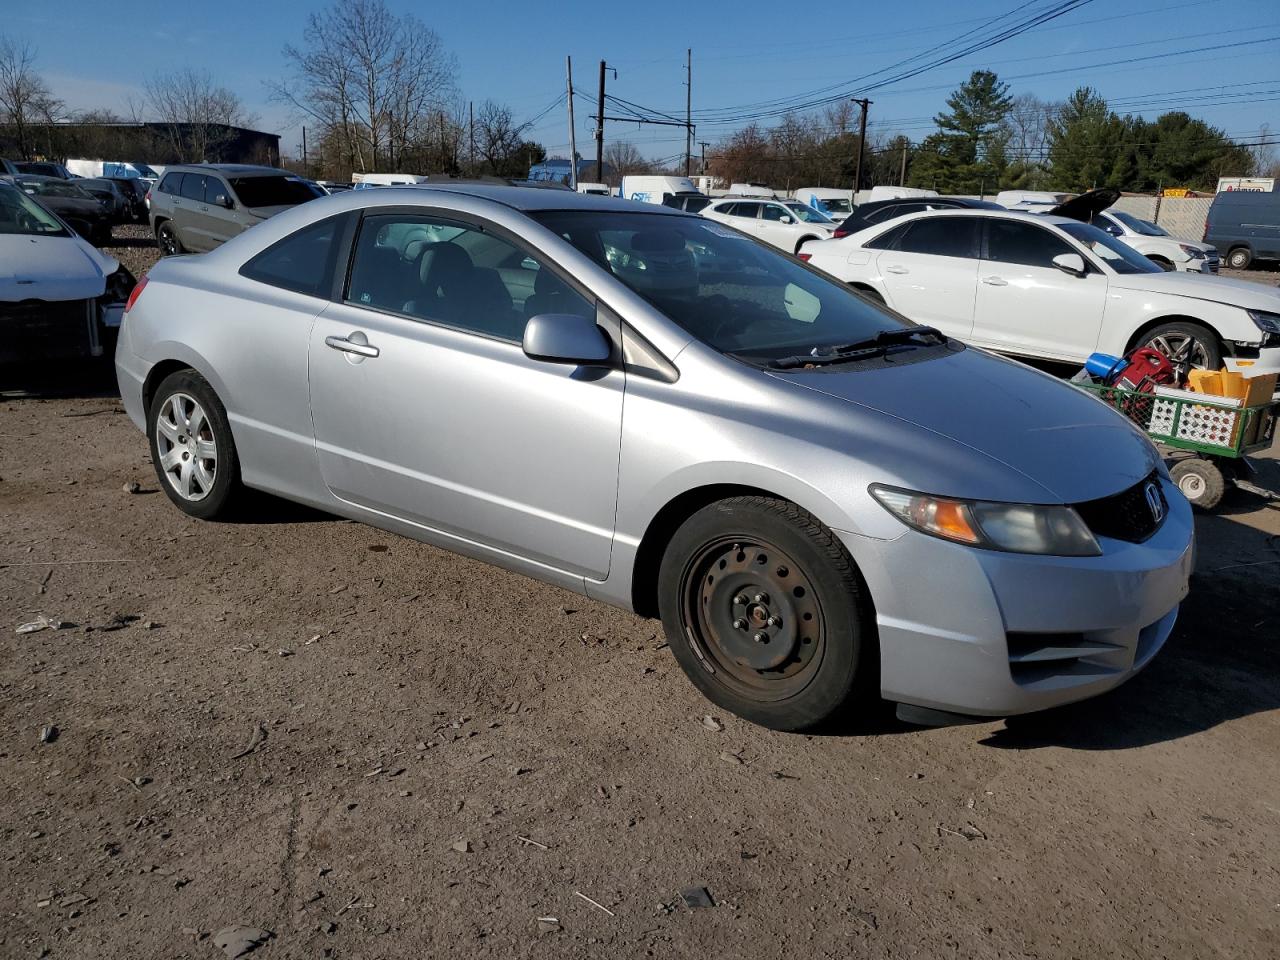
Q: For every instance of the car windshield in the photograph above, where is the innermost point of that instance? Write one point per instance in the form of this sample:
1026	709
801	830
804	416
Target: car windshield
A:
1144	227
56	188
807	214
271	191
19	214
1120	257
734	293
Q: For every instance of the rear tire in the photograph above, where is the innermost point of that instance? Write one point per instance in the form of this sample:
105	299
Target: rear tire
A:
767	615
192	448
167	240
1239	258
870	294
1200	481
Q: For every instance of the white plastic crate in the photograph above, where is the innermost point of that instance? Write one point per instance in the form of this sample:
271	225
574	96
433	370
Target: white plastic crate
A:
1198	422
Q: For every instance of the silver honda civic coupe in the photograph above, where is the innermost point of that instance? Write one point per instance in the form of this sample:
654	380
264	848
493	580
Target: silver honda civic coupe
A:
822	501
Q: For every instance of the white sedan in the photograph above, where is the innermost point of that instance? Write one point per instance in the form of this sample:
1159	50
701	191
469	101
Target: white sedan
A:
1157	245
60	297
1052	287
787	224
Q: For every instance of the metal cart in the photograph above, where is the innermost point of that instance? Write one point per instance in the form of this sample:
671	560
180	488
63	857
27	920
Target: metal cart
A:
1217	436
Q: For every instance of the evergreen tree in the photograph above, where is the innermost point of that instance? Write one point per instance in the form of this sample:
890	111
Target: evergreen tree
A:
967	154
1089	146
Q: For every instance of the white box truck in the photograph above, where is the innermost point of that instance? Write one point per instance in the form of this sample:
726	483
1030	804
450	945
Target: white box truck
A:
651	189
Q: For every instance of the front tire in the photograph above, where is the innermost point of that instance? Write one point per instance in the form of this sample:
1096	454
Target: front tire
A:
1239	258
1189	345
766	613
1200	481
1162	263
192	447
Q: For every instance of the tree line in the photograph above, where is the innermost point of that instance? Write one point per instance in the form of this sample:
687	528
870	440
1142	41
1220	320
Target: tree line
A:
988	140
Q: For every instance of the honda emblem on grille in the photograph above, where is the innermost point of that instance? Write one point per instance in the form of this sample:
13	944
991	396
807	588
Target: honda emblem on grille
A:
1154	501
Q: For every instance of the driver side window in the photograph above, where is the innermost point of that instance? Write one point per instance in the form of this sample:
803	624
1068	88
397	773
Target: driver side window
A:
1011	241
774	213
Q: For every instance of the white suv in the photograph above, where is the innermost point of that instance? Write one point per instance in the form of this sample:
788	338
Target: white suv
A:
1048	286
787	224
1156	245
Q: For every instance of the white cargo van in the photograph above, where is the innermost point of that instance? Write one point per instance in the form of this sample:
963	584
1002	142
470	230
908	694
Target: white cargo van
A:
595	189
656	189
363	181
897	193
836	204
1033	200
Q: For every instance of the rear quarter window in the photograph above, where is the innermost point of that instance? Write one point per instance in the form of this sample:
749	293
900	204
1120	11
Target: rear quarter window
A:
301	262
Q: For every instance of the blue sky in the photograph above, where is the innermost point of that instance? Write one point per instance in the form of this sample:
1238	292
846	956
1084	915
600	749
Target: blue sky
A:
744	53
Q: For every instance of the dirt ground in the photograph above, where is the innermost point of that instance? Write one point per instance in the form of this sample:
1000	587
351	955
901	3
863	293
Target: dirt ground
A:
374	748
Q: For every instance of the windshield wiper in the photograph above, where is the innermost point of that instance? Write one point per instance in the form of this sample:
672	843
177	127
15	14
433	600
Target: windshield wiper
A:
861	349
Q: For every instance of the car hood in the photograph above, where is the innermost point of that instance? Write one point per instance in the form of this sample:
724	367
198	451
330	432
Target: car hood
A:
1237	293
51	268
1068	444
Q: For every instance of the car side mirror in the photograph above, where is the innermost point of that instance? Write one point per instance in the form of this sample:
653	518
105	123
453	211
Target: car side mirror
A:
223	200
786	220
566	338
1071	263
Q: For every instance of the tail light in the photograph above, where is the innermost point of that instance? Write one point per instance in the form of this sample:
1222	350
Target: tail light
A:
147	198
839	233
806	257
133	297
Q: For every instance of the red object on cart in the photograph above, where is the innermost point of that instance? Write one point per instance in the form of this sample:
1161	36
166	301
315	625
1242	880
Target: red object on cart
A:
1145	368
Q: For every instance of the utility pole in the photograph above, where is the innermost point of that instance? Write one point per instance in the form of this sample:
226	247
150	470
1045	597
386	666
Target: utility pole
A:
600	127
471	123
902	172
704	145
862	145
688	110
306	170
573	136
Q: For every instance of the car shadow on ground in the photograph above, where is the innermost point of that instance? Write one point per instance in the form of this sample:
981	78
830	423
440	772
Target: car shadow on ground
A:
90	378
130	242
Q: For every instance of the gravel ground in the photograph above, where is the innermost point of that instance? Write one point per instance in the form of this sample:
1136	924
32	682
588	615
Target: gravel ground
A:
374	748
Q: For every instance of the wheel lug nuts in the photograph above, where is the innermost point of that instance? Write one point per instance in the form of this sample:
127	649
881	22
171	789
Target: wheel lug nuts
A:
762	598
772	622
186	456
740	598
760	638
739	624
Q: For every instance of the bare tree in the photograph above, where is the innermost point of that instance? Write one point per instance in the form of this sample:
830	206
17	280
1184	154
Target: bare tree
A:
625	158
25	99
375	83
1263	153
196	112
498	136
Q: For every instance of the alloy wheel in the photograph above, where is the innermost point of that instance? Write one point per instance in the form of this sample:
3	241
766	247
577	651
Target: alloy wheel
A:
1186	352
754	618
188	453
168	242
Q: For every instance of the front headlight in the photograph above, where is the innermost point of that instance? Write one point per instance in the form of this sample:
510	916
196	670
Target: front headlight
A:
1193	252
1269	322
1013	527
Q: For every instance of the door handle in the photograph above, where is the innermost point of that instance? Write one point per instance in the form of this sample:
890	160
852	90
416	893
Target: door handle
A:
350	346
896	269
995	281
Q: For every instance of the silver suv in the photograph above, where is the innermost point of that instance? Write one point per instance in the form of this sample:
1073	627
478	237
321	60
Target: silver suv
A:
199	207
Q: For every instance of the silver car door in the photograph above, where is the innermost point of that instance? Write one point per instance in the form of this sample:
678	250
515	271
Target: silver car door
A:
427	410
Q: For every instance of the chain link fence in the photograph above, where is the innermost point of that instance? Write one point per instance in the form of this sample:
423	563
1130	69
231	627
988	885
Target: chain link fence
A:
1183	217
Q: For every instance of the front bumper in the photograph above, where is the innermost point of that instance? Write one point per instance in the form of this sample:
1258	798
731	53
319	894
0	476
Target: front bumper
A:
1208	265
1266	360
986	633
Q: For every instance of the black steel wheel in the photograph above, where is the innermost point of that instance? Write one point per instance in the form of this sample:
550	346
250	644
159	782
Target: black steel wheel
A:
765	611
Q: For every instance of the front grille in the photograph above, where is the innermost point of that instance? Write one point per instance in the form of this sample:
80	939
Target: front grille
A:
1126	515
42	330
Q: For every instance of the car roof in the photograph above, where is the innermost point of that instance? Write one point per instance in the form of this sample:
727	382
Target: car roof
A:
230	169
530	198
1025	215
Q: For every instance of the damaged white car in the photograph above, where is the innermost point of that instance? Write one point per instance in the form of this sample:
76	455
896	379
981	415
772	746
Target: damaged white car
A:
60	297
